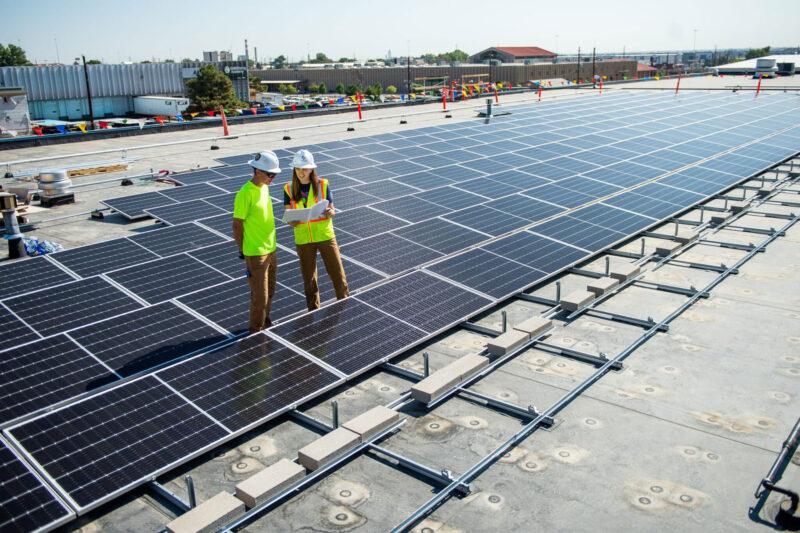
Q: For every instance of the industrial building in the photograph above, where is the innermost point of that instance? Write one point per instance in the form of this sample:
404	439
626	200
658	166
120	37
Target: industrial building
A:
514	54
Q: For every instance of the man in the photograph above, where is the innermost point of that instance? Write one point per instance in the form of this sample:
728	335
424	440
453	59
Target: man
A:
254	232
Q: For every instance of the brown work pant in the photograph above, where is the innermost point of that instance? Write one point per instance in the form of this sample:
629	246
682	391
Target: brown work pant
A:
263	273
329	251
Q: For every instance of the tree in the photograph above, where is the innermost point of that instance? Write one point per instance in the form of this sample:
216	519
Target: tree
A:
291	89
12	56
169	61
340	88
352	89
429	58
94	62
757	52
279	62
211	89
322	89
255	83
391	89
321	58
187	60
377	89
313	88
345	60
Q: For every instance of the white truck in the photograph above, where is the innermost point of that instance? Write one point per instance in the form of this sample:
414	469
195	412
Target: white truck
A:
154	106
269	98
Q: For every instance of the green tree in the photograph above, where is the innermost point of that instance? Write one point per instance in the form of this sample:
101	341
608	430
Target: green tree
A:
187	60
321	58
287	89
279	62
352	89
345	60
757	52
94	62
255	83
391	89
169	61
12	56
377	89
322	89
313	88
211	89
340	88
429	58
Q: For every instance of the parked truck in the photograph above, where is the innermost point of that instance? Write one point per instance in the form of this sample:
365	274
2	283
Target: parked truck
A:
270	99
154	106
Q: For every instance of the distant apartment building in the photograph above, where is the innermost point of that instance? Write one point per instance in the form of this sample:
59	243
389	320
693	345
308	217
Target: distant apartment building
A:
214	57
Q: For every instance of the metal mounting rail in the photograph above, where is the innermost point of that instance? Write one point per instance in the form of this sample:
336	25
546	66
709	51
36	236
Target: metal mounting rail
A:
518	437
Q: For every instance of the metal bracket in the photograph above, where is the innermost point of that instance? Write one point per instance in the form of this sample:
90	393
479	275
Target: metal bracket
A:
170	496
669	288
759	231
480	329
772	215
732	245
629	255
616	317
700	266
443	477
596	360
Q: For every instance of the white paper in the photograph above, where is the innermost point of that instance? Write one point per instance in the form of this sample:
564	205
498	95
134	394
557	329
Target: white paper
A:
304	215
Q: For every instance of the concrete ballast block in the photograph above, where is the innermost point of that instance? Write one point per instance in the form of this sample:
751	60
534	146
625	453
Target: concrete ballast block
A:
507	342
271	481
210	515
624	272
738	207
764	191
720	217
534	326
372	422
327	448
448	377
663	250
684	236
601	286
576	299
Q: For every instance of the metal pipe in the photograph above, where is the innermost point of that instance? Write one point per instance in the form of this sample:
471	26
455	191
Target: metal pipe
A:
608	265
335	414
787	451
505	320
569	397
426	364
168	495
558	291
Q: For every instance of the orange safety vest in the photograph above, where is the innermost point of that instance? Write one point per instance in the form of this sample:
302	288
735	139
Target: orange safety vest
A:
317	230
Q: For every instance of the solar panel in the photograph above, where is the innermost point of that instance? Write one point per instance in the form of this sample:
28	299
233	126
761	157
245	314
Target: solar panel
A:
578	233
224	201
547	171
389	253
20	276
39	374
248	382
387	189
423	180
71	305
349	198
516	180
176	239
241	170
162	279
235	159
610	217
115	440
223	257
487	273
593	188
338	181
232	184
357	277
425	301
221	223
14	330
198	176
535	251
401	168
411	208
451	197
441	235
96	258
184	212
525	207
349	335
133	206
488	187
368	174
146	338
365	222
192	192
486	220
26	504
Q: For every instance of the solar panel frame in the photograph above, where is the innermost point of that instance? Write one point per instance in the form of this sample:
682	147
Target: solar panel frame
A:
188	211
25	275
389	253
132	206
172	240
92	259
441	235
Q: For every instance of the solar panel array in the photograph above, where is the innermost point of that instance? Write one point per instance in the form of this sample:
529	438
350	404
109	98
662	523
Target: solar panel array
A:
435	225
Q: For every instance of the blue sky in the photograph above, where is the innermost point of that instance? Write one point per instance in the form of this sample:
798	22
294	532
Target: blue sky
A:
136	30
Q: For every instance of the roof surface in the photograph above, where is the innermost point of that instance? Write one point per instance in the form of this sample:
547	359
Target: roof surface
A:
522	51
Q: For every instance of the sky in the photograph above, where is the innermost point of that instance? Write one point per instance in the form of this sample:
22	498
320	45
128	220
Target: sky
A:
136	30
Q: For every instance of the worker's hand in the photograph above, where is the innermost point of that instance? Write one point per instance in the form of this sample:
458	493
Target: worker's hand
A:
293	223
329	212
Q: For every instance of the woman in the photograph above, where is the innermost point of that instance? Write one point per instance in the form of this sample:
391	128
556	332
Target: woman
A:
305	190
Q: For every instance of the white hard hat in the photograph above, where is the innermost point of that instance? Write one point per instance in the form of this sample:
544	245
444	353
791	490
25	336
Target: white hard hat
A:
266	161
303	159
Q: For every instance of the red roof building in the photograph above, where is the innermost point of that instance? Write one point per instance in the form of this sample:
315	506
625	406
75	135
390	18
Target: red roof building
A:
514	54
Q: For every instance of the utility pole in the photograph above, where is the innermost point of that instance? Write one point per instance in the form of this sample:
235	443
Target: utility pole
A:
88	91
593	79
578	78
